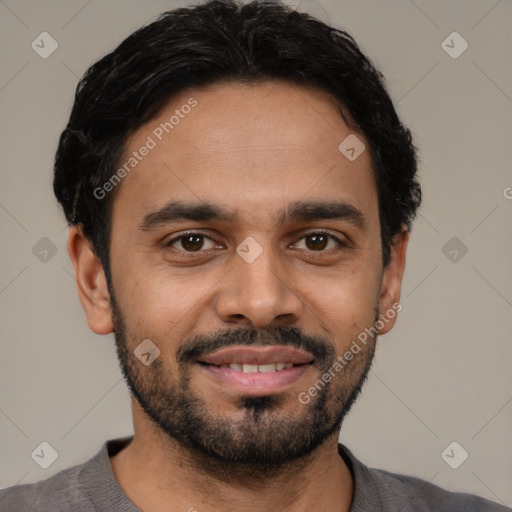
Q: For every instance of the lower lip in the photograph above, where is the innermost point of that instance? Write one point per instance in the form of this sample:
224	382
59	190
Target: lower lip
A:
256	383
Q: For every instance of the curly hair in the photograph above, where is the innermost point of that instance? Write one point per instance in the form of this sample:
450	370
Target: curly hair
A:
222	41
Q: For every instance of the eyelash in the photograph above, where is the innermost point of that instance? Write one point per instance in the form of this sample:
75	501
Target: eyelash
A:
190	233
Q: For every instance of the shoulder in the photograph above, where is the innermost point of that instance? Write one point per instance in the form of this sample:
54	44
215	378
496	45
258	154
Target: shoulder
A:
88	486
425	496
377	489
51	494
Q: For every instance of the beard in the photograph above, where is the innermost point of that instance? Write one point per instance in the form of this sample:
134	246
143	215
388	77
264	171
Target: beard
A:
263	438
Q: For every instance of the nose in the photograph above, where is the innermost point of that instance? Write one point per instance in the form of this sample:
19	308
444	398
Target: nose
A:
258	293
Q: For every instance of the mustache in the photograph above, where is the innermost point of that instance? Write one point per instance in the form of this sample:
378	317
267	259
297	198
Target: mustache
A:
289	336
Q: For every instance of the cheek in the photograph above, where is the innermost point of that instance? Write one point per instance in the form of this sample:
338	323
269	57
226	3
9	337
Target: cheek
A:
344	305
162	303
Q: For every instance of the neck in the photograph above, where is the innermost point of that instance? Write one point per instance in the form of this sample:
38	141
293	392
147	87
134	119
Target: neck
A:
162	475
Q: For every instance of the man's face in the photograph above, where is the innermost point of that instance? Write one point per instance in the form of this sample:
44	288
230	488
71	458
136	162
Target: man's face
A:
263	277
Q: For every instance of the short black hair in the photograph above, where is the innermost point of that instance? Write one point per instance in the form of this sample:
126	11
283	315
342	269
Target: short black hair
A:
215	42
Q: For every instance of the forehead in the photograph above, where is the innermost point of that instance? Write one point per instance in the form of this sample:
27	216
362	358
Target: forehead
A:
251	148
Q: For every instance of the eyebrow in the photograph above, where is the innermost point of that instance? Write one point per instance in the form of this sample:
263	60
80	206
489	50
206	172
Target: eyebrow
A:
176	211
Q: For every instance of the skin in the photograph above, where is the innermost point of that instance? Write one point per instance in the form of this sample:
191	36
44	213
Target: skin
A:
253	150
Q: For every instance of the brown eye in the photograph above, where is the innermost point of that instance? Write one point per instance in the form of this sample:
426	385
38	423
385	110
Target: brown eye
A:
316	242
319	242
191	242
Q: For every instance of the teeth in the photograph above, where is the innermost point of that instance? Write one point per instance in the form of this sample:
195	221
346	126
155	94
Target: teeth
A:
254	368
266	368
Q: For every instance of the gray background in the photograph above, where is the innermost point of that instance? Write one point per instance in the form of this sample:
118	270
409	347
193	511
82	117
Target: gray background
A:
442	375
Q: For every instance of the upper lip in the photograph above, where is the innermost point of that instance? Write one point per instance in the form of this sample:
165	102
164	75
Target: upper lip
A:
257	355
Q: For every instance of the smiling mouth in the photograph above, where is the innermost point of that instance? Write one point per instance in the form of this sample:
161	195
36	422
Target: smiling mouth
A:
255	368
255	358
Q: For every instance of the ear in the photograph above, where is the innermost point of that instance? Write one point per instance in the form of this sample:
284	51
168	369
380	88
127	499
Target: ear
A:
389	300
91	282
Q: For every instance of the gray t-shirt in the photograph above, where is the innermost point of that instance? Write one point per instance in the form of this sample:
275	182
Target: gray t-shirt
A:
92	487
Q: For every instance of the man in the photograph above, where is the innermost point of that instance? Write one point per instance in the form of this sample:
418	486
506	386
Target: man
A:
240	193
